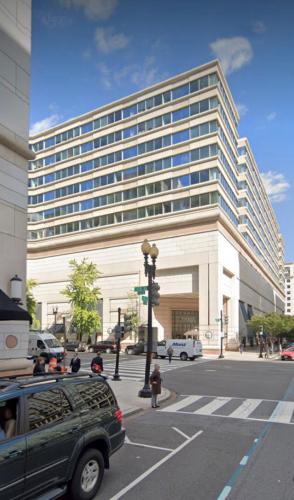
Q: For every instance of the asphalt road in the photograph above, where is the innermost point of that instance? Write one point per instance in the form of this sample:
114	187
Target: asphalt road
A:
238	445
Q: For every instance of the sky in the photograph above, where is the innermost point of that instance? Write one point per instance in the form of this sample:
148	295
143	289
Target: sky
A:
86	53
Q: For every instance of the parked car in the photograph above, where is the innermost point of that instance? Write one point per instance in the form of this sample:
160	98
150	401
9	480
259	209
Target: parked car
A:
74	345
287	354
135	348
65	428
108	346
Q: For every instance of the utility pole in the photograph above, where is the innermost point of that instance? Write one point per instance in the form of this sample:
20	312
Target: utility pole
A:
118	337
221	356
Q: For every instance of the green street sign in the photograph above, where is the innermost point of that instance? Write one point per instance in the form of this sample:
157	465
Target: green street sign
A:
145	300
140	289
217	319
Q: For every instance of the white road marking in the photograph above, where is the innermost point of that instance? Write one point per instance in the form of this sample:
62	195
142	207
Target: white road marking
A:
244	460
225	493
283	412
180	432
246	408
214	405
154	467
143	445
181	404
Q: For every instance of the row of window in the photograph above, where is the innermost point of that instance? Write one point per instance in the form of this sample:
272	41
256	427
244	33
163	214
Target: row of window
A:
154	166
146	104
258	253
128	215
138	149
175	116
131	194
245	220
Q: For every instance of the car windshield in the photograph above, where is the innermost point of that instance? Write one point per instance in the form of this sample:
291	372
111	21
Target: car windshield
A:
52	343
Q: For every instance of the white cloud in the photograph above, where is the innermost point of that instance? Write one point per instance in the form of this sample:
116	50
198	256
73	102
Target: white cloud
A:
271	116
44	124
140	75
107	40
93	9
258	27
233	53
242	109
275	185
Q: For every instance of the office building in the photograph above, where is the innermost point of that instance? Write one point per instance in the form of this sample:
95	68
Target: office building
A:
289	288
167	164
15	50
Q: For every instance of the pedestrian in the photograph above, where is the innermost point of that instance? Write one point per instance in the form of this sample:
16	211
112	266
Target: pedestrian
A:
155	381
97	364
39	368
241	347
170	352
75	363
52	364
267	350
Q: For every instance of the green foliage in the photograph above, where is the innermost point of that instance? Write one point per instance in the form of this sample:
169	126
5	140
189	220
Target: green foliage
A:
84	297
273	324
32	303
133	313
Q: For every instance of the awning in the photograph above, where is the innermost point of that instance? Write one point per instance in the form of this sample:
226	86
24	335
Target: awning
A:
10	311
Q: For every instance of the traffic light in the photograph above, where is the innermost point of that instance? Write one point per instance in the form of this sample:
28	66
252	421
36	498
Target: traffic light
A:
128	323
155	294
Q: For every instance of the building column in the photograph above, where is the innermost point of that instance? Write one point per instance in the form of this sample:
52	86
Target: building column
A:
210	304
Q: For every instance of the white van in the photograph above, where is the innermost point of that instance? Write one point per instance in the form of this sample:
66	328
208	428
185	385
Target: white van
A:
182	348
45	344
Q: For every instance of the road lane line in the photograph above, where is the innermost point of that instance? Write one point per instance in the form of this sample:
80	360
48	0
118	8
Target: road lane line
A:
246	408
143	445
282	413
224	494
181	404
212	406
244	460
154	467
180	432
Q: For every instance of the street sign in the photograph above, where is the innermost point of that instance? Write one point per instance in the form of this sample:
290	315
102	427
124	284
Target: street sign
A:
145	300
217	320
140	289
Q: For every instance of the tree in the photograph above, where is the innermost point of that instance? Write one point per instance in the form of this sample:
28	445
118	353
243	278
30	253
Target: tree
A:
84	297
273	324
32	303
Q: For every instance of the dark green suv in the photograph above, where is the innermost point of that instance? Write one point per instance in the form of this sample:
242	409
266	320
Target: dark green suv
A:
56	435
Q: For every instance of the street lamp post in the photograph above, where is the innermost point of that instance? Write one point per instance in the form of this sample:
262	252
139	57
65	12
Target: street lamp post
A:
150	270
55	311
221	356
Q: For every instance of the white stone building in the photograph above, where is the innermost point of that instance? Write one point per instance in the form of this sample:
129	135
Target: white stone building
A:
165	164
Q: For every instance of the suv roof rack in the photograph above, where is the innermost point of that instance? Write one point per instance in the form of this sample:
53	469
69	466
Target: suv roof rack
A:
20	381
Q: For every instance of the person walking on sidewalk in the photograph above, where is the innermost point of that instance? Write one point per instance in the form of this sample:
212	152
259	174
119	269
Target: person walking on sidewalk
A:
241	347
75	363
170	352
155	381
97	364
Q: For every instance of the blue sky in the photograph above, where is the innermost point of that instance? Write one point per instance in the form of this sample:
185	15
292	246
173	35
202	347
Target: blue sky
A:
86	53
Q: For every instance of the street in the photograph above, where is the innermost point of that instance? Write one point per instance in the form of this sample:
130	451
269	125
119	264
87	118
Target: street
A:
225	433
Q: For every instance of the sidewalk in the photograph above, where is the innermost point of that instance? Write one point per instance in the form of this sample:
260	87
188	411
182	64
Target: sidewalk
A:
245	356
126	392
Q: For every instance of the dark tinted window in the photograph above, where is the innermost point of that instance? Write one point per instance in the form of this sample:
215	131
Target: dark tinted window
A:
93	395
44	408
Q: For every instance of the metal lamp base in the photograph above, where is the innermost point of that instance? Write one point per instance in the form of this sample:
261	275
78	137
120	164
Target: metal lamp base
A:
221	356
145	393
116	377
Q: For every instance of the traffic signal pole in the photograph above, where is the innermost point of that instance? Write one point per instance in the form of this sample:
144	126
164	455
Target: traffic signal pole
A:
118	334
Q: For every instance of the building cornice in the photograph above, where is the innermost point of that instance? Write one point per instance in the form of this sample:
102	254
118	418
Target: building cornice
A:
17	145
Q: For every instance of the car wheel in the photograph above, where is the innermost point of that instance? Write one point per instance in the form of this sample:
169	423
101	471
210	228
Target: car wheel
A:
88	475
163	357
183	356
91	349
192	358
283	358
108	350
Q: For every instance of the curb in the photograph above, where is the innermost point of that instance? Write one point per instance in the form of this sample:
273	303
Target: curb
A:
134	411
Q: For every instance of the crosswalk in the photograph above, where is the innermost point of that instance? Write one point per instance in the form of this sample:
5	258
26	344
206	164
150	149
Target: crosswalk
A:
135	369
264	410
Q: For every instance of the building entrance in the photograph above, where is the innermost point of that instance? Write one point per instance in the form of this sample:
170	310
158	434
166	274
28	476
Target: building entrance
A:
183	321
